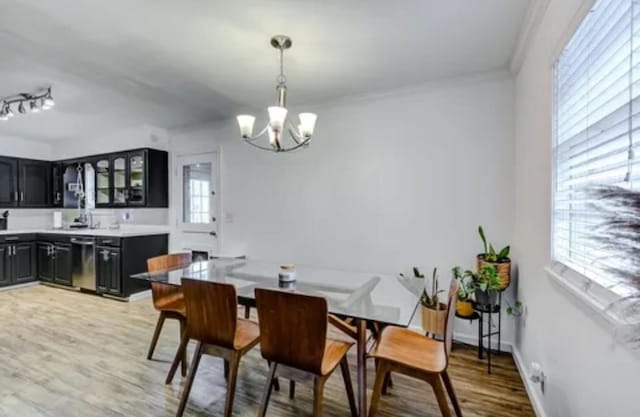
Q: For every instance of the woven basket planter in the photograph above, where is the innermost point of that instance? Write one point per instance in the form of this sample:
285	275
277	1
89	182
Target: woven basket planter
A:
502	268
433	320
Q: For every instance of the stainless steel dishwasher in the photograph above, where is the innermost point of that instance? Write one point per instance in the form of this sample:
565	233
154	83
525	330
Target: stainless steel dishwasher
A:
83	261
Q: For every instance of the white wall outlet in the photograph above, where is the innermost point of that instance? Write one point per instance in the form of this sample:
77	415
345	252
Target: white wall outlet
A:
536	375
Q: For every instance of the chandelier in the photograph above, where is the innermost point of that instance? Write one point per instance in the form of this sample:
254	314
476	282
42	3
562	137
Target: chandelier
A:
278	126
25	103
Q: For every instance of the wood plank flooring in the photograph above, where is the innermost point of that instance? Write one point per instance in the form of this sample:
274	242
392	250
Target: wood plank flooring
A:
66	354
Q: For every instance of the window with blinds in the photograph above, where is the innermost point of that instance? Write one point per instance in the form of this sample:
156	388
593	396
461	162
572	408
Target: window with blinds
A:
596	124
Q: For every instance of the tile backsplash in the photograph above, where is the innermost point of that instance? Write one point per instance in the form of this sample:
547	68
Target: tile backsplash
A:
43	218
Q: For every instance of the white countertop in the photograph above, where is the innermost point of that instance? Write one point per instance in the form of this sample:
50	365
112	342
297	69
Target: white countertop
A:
127	231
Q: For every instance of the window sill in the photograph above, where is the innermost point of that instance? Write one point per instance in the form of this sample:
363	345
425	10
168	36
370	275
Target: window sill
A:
581	289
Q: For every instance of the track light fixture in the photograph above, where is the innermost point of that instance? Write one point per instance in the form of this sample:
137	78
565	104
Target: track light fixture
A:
26	102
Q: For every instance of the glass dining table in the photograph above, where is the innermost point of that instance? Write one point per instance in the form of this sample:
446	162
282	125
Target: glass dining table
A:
356	300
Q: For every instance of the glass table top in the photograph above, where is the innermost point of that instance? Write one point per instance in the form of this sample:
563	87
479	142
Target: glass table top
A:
386	299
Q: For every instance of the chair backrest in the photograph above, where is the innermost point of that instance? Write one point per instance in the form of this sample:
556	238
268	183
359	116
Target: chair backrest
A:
167	262
293	328
212	311
451	312
160	292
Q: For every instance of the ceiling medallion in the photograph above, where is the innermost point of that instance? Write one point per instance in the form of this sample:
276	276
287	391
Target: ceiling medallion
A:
275	129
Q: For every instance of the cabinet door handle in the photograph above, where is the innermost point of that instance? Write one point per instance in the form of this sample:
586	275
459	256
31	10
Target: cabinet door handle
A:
14	250
213	233
21	195
16	196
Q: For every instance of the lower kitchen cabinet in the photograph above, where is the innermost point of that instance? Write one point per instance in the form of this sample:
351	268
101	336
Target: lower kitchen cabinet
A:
108	267
46	265
17	263
63	267
5	265
54	262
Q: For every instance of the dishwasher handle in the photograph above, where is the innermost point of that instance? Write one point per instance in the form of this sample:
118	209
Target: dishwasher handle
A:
82	242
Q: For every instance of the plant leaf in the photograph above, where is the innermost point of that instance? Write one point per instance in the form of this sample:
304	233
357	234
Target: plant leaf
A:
504	253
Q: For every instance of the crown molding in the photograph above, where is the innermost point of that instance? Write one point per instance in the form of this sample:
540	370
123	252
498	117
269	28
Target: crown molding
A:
532	20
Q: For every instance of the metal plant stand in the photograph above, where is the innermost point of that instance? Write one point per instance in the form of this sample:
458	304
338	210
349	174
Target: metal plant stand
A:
479	314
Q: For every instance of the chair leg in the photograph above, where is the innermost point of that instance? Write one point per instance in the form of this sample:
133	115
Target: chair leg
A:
226	369
267	390
318	394
247	312
183	360
452	394
292	389
381	374
156	334
179	357
189	382
344	367
234	364
438	389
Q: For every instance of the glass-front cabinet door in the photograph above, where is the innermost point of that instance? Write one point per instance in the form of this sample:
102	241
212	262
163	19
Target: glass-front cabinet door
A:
103	182
137	179
119	180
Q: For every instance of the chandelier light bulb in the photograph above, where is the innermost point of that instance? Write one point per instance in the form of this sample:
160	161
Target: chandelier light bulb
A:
273	137
9	112
307	124
21	108
277	116
34	107
246	122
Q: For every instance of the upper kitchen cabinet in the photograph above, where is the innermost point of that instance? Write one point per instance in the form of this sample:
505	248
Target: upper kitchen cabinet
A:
35	183
104	188
57	172
140	178
25	183
9	196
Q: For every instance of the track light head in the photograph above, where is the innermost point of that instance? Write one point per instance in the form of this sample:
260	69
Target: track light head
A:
21	108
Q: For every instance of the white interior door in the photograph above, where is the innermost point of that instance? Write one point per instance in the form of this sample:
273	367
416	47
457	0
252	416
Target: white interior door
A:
197	183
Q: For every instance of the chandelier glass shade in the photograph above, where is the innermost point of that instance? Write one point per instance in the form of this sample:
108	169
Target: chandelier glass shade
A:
278	126
25	103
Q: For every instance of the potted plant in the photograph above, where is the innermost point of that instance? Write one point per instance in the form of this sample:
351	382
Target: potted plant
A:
499	260
464	302
434	313
487	283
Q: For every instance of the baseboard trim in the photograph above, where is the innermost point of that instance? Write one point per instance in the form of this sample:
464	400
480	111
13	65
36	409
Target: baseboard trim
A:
532	390
17	286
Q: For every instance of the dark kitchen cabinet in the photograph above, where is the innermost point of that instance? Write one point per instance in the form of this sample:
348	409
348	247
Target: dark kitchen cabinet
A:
8	182
108	270
17	261
62	264
24	262
57	172
5	265
34	183
45	251
135	178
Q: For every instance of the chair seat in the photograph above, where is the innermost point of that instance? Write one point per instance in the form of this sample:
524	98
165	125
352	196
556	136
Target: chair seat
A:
411	349
173	303
334	351
247	333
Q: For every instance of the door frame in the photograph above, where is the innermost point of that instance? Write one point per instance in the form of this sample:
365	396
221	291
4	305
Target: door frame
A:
176	192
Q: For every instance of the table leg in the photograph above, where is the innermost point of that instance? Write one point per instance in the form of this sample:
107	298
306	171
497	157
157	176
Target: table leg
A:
480	329
361	343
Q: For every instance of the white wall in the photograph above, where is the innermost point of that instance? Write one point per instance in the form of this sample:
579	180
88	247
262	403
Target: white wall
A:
143	136
588	375
23	148
389	182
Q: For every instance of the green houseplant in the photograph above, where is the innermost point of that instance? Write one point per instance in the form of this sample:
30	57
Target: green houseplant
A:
464	302
498	259
487	283
434	313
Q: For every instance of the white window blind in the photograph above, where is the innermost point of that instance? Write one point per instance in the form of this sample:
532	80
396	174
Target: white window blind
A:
596	135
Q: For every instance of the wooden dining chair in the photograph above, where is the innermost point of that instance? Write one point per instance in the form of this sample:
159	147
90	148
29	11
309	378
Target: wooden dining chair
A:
293	339
406	352
167	299
213	322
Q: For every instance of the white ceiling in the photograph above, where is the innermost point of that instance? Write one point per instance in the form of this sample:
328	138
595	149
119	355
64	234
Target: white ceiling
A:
167	63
